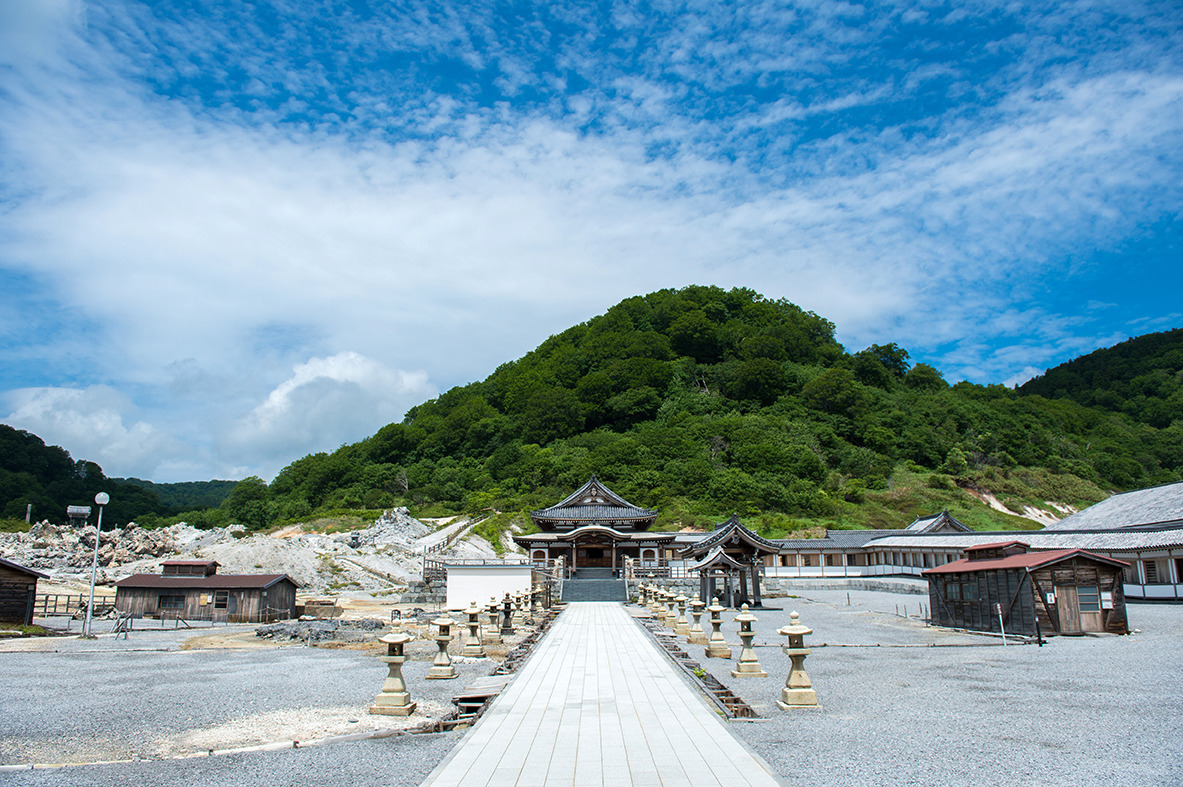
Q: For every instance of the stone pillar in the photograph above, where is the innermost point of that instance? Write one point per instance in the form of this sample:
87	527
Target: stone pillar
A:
717	647
798	691
442	668
696	636
506	616
492	636
394	700
749	665
681	625
472	643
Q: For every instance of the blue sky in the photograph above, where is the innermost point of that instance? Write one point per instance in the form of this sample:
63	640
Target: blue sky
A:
232	236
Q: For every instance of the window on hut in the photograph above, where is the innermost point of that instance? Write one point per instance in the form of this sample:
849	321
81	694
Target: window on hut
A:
170	602
221	599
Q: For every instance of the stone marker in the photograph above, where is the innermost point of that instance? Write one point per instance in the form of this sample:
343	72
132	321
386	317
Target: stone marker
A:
696	635
717	647
749	665
442	668
472	643
798	691
394	700
681	625
492	635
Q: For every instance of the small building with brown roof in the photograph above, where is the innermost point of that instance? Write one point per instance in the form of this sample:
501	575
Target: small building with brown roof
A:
18	591
1002	585
194	590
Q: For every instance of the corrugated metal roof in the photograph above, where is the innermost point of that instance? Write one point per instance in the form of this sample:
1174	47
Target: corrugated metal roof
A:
1155	505
835	539
213	582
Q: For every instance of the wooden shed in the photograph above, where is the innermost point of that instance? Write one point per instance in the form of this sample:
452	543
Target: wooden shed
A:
18	591
1067	591
193	590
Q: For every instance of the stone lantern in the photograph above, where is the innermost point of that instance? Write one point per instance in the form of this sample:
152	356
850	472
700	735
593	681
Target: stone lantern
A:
519	617
642	594
798	691
492	635
394	700
506	616
472	643
671	616
681	625
442	668
696	636
749	665
717	647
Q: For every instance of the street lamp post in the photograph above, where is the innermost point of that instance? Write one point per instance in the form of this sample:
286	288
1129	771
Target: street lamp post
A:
102	498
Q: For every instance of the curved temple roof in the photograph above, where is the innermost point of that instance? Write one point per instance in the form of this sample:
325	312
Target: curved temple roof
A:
593	503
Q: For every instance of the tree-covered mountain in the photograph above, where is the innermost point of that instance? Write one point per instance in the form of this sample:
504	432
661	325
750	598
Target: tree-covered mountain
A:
187	495
702	401
1141	377
49	479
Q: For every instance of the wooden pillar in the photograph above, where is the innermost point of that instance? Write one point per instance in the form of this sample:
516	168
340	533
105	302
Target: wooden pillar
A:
756	586
743	587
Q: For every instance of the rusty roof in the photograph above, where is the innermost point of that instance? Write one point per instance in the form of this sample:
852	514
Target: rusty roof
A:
1026	560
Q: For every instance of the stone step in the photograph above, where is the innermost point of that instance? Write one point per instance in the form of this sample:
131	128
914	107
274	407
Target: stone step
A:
593	590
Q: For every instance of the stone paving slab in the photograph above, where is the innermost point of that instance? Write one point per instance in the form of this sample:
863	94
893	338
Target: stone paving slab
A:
599	704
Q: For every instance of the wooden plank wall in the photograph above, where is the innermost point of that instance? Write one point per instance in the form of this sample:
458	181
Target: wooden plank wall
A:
144	602
17	592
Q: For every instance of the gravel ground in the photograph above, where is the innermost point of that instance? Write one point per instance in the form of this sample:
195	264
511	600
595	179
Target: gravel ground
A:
968	711
901	704
77	701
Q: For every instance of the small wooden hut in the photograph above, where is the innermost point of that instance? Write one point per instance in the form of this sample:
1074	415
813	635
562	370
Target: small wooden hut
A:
1062	591
194	590
18	591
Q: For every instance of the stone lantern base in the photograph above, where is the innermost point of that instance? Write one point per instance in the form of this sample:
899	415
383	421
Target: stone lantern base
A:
796	698
393	705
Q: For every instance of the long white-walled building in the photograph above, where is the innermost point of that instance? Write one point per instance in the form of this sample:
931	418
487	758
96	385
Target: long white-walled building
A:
1143	528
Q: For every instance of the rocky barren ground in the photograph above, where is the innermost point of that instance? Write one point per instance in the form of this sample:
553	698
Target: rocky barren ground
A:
382	559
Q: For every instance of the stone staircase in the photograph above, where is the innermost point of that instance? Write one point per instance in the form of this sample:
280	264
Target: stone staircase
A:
593	584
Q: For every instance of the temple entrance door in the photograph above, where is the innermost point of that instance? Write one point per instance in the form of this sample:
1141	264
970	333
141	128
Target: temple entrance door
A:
595	556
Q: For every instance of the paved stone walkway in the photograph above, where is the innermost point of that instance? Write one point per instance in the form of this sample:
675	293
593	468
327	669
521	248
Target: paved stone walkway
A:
599	703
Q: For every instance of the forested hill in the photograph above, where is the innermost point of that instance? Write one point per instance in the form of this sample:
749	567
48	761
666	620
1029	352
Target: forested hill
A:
701	402
1141	377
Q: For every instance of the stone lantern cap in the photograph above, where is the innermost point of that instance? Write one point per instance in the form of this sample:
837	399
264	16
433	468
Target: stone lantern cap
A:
795	628
396	638
443	622
747	618
473	609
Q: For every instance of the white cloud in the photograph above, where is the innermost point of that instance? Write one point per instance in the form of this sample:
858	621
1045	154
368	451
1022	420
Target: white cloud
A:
326	401
96	423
